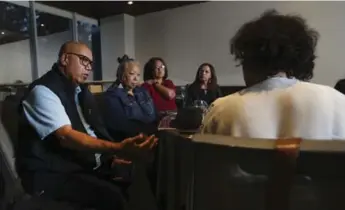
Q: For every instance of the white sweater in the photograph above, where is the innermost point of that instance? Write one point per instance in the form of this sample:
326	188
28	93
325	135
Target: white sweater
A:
279	108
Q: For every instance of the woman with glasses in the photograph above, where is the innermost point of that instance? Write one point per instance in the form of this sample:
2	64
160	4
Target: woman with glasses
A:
204	87
128	108
161	89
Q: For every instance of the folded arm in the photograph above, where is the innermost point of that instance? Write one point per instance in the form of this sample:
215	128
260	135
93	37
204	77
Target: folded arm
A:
117	121
168	90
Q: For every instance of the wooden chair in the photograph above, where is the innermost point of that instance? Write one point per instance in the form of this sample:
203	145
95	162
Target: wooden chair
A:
96	88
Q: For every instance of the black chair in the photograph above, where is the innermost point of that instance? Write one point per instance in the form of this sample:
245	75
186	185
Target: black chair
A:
238	174
12	188
12	194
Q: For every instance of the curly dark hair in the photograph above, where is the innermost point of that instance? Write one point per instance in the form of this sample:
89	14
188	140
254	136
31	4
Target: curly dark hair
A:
213	84
149	68
274	43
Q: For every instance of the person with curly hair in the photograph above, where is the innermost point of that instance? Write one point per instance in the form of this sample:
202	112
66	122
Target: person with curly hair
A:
277	54
161	89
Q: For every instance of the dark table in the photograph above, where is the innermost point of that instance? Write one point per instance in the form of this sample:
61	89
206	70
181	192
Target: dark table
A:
174	170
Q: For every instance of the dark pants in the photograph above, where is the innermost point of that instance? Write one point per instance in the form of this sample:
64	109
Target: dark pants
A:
84	190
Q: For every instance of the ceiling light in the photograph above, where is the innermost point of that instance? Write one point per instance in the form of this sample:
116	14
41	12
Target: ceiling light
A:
130	2
2	33
42	25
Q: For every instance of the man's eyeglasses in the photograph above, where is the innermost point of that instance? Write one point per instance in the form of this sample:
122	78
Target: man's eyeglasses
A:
85	61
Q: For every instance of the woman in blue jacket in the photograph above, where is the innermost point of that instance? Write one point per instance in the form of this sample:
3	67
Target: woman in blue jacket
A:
128	108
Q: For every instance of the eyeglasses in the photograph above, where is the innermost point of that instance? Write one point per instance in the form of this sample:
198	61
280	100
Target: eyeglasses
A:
160	67
85	61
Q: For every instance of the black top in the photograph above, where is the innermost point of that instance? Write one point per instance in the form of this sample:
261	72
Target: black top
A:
194	92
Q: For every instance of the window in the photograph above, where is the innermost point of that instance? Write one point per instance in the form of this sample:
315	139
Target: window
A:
89	34
29	45
52	32
15	54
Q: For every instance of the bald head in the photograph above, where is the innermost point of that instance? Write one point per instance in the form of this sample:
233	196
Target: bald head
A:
75	61
71	46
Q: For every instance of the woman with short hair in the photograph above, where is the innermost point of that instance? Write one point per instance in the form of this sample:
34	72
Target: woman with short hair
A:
129	108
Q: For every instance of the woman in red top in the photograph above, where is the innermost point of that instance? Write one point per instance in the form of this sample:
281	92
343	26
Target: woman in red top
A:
161	89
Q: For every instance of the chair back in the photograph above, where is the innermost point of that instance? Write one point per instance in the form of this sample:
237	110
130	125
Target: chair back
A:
8	133
96	88
242	173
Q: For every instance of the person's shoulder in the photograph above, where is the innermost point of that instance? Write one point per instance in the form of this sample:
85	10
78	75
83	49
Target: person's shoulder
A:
42	97
141	89
314	85
146	85
219	115
224	103
41	92
317	88
114	91
191	87
168	82
321	91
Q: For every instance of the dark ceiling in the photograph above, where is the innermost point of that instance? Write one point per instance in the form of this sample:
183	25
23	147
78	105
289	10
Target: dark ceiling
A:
101	9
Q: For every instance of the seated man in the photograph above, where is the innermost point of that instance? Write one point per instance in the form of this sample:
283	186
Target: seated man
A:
277	54
128	108
63	148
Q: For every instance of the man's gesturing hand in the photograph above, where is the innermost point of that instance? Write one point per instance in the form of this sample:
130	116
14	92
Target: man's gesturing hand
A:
138	146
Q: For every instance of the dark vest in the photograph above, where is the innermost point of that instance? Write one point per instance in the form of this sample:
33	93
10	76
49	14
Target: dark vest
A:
35	155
